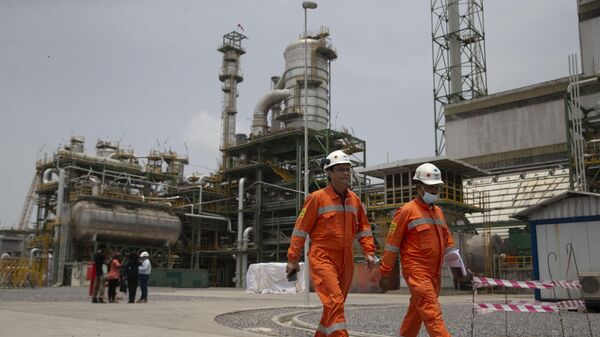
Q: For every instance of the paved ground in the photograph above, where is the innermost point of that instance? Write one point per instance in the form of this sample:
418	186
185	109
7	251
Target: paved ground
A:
230	312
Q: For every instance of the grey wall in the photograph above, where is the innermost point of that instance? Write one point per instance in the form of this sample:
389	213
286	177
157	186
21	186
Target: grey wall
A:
589	31
507	130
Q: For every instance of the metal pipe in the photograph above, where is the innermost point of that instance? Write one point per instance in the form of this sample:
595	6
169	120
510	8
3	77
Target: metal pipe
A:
244	254
31	253
259	122
47	176
306	5
200	199
238	258
63	228
583	82
281	82
212	217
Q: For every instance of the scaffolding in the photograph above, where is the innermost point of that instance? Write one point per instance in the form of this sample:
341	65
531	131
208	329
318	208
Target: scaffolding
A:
458	54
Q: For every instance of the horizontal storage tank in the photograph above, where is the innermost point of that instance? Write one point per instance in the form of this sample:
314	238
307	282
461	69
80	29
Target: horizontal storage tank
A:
120	223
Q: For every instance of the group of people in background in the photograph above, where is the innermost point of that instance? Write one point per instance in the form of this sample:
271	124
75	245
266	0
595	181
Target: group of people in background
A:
123	275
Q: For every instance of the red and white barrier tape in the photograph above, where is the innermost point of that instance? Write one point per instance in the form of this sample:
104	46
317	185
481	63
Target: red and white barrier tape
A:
480	282
567	304
567	284
493	307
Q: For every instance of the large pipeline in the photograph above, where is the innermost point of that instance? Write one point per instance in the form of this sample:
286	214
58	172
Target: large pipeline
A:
244	253
238	257
259	122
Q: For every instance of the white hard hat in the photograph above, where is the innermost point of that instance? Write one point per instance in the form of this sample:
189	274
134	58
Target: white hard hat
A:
144	254
428	174
335	158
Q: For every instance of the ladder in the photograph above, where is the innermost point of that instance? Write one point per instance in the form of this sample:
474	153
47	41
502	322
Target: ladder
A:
28	204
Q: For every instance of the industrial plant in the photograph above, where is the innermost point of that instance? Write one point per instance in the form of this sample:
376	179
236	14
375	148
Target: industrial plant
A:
501	156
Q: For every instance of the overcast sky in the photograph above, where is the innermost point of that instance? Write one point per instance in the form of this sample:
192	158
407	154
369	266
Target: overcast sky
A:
146	72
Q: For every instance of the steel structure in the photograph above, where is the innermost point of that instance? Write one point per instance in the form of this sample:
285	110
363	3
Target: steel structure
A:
458	54
110	199
230	75
273	169
512	192
582	114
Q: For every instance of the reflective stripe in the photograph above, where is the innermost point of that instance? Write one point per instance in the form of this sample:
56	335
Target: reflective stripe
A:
334	327
300	233
351	209
392	248
421	221
332	208
364	233
336	208
450	250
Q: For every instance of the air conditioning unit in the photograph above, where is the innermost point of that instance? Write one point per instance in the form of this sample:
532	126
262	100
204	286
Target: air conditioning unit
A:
590	285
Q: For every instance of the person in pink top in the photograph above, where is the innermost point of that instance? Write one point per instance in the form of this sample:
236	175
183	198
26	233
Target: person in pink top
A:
113	278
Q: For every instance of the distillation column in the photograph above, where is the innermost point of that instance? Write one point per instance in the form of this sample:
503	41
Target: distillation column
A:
230	75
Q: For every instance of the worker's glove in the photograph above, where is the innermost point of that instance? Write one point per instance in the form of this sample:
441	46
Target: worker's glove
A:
370	260
385	283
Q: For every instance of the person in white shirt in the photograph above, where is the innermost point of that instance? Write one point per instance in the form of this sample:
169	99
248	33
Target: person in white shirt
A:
144	269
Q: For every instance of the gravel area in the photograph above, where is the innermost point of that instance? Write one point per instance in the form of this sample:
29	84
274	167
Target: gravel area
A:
386	321
260	321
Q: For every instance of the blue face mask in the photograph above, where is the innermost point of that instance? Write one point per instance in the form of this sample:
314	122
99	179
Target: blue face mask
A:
430	198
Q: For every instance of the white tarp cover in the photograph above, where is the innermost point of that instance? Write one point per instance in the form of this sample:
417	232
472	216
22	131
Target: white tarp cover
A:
270	278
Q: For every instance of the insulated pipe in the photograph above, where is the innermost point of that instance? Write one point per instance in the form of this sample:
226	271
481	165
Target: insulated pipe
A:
580	82
200	202
95	185
244	253
238	257
259	122
60	209
212	217
47	176
280	83
31	254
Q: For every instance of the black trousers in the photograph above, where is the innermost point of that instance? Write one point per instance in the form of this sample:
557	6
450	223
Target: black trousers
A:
132	284
112	289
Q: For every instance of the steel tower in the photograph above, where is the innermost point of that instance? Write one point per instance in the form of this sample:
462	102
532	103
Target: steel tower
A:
458	53
230	75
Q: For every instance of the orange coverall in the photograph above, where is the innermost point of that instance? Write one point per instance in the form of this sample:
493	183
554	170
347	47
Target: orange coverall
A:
332	226
420	234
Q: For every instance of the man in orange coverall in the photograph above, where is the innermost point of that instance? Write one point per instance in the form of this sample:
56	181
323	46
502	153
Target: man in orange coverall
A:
420	234
333	217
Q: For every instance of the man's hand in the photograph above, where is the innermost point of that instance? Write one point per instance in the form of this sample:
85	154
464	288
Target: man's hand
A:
370	260
291	266
384	283
459	276
469	277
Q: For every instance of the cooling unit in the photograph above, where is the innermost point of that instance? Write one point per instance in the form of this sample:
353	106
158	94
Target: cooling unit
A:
590	285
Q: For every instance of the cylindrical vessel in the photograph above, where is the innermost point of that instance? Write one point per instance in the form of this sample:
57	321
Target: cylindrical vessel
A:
118	223
319	54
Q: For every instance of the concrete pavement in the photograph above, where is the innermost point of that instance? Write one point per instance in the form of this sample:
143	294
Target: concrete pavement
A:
176	312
